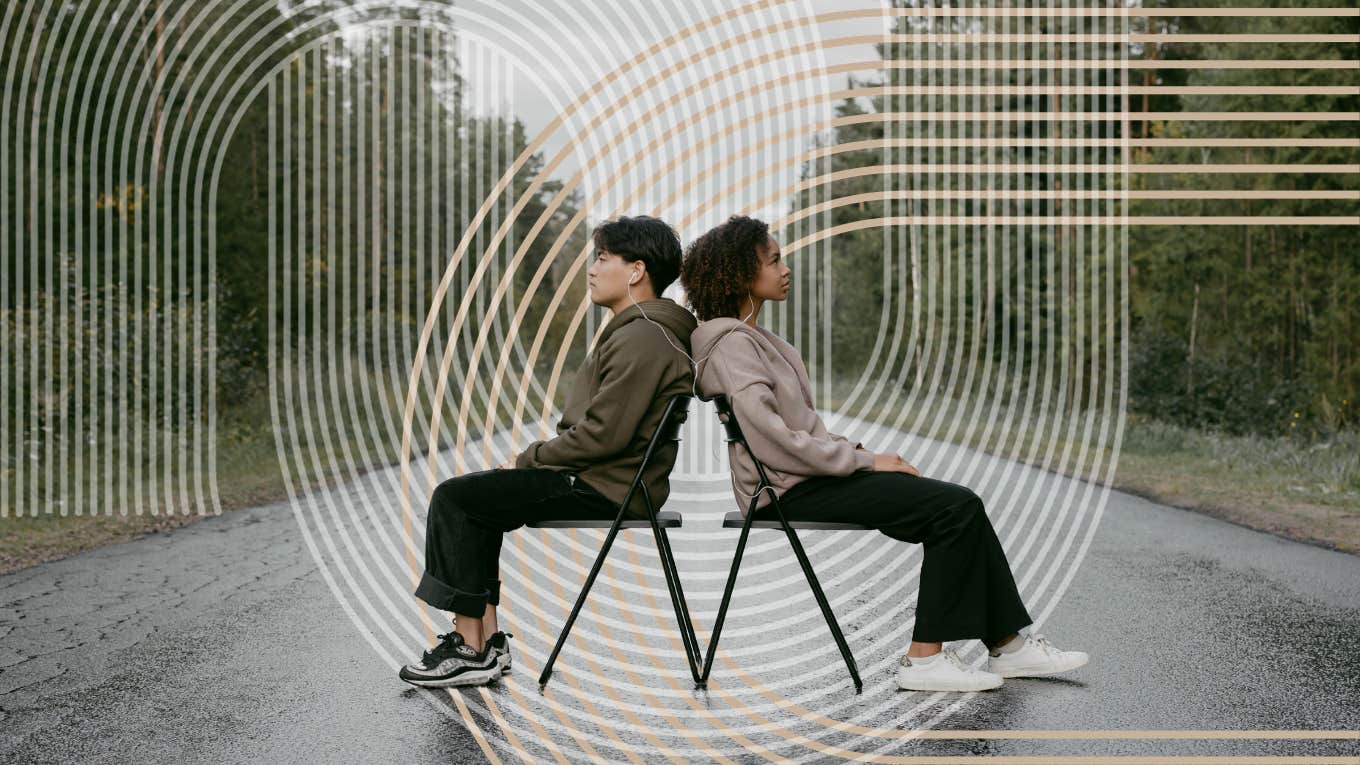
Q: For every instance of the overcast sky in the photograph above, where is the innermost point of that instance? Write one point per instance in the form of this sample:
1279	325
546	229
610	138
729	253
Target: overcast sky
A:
535	57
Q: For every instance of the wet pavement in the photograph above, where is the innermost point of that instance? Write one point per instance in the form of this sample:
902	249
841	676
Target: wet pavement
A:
274	634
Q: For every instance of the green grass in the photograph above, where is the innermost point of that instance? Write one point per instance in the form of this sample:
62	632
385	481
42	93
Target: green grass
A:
1291	487
248	474
1303	490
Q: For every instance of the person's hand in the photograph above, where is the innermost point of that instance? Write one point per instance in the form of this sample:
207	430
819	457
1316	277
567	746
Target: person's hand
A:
893	463
507	465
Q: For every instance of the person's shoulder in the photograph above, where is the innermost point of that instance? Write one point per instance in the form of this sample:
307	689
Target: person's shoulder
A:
642	343
739	343
773	339
642	334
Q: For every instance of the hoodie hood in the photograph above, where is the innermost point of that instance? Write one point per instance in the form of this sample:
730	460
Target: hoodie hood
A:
663	311
707	335
710	333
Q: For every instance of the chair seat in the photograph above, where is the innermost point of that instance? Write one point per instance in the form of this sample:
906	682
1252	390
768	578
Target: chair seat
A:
735	520
666	519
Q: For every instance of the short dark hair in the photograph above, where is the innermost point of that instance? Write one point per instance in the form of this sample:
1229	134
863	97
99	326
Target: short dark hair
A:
650	240
720	266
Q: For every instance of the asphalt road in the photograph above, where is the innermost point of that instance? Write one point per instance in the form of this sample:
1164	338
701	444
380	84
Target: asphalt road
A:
245	638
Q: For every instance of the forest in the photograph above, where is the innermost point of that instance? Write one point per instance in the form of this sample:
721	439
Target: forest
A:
151	332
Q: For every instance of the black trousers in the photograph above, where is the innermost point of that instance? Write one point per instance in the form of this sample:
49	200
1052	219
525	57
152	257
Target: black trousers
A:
468	517
967	589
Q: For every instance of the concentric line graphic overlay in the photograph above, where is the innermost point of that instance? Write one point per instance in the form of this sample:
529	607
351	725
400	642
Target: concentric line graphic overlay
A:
953	187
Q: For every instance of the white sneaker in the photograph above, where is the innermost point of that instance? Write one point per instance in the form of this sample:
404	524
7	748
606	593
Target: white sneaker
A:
944	672
1037	657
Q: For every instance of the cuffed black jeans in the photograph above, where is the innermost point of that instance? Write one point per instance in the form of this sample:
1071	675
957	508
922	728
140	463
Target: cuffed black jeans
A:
468	517
967	589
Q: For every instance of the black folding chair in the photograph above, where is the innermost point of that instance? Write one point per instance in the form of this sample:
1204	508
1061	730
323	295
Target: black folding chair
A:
677	411
735	520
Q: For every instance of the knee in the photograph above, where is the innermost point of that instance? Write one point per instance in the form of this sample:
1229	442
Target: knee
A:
446	502
967	509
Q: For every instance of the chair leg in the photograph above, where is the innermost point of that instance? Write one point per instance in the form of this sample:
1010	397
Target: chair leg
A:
821	600
668	568
727	598
580	600
682	615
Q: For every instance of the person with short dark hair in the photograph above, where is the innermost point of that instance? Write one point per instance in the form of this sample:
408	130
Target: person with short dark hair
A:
967	589
615	405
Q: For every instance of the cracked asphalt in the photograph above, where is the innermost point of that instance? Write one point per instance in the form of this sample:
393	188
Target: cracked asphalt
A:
221	642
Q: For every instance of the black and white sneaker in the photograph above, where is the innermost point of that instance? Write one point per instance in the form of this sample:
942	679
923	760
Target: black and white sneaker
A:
499	646
452	663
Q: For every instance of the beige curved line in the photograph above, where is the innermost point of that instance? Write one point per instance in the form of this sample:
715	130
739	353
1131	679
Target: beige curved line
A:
1074	220
538	340
513	739
1012	194
1060	12
1104	63
427	329
474	728
474	225
1030	734
1114	90
437	300
532	598
620	704
1040	194
747	679
571	226
1239	194
559	248
1240	38
1151	143
1046	734
556	202
1272	12
1140	116
838	724
556	299
514	263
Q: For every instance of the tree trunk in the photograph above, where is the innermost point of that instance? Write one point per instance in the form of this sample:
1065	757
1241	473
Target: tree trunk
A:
1190	360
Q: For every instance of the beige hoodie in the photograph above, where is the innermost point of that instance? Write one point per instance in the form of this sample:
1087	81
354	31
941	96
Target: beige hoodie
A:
764	379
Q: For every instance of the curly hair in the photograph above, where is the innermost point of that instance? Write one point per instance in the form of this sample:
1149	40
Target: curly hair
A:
720	265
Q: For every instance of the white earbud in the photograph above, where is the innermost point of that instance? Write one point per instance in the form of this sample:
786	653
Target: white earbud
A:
633	279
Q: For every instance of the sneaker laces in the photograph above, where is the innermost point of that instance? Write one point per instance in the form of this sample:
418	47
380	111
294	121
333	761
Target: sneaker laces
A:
446	647
1042	643
953	658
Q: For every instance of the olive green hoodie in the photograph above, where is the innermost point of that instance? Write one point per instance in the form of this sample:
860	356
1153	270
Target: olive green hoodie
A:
616	403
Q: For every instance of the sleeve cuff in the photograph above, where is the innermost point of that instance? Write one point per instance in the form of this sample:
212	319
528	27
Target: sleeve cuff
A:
525	459
864	459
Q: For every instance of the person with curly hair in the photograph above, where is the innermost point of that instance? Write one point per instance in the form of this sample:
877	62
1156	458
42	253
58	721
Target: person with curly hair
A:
967	589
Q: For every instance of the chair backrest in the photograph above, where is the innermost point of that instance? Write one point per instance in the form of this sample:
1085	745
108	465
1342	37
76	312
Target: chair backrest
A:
727	418
675	415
